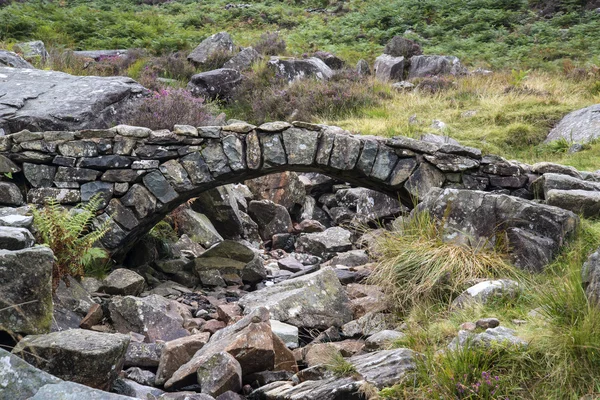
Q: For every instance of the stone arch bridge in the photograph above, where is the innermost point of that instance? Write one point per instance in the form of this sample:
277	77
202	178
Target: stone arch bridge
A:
142	175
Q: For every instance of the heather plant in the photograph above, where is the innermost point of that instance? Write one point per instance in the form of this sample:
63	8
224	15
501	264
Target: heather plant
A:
264	95
270	44
168	107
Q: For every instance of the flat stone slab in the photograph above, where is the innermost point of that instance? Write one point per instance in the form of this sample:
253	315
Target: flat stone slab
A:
28	99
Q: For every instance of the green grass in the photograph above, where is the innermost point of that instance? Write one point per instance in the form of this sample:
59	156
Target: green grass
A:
563	335
500	34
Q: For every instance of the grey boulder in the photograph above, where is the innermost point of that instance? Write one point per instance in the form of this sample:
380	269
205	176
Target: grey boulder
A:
216	84
316	300
294	69
325	244
579	126
243	60
29	100
218	43
87	357
229	257
123	282
389	68
13	60
426	66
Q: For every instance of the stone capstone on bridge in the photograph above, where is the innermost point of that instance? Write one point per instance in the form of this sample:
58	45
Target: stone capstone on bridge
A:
141	175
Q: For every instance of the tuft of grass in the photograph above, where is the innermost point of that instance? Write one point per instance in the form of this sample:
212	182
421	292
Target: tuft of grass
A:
418	268
340	366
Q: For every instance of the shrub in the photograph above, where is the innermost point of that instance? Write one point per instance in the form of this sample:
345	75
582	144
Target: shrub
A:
419	268
169	107
265	96
270	44
70	235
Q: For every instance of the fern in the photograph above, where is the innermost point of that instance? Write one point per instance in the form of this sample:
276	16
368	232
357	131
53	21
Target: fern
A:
70	235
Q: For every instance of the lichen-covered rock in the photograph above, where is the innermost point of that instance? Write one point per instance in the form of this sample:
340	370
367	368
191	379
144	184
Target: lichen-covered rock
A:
153	316
426	66
199	227
87	357
10	195
579	126
217	84
492	336
123	282
389	68
316	300
271	218
294	69
232	257
218	43
535	231
486	291
219	374
243	60
20	380
325	244
26	281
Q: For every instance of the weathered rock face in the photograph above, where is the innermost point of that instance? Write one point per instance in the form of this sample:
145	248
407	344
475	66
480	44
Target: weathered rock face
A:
178	352
294	69
325	244
579	126
10	195
13	60
87	357
250	341
590	276
29	100
317	300
389	68
123	282
154	317
243	60
229	257
369	205
21	380
284	188
199	227
271	218
402	47
380	369
217	84
492	336
487	291
219	374
26	287
425	66
219	42
534	231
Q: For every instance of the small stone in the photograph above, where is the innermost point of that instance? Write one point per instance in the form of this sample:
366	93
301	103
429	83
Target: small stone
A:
486	323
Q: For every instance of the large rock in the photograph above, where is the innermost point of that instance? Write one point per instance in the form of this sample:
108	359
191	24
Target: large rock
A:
316	300
379	369
535	232
250	341
29	100
31	51
243	60
402	47
283	188
15	238
427	66
389	68
178	352
325	244
198	226
216	84
369	205
294	69
553	181
218	43
229	257
581	202
219	374
75	391
87	357
21	380
271	218
123	282
154	317
26	287
13	60
579	126
10	195
221	207
590	277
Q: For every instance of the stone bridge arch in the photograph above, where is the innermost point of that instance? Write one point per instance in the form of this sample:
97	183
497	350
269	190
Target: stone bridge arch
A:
143	175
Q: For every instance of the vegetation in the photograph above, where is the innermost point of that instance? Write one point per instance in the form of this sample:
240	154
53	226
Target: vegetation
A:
70	235
340	366
519	34
419	268
552	314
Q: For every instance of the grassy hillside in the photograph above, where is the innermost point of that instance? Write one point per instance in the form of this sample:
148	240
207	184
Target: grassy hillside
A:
493	33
